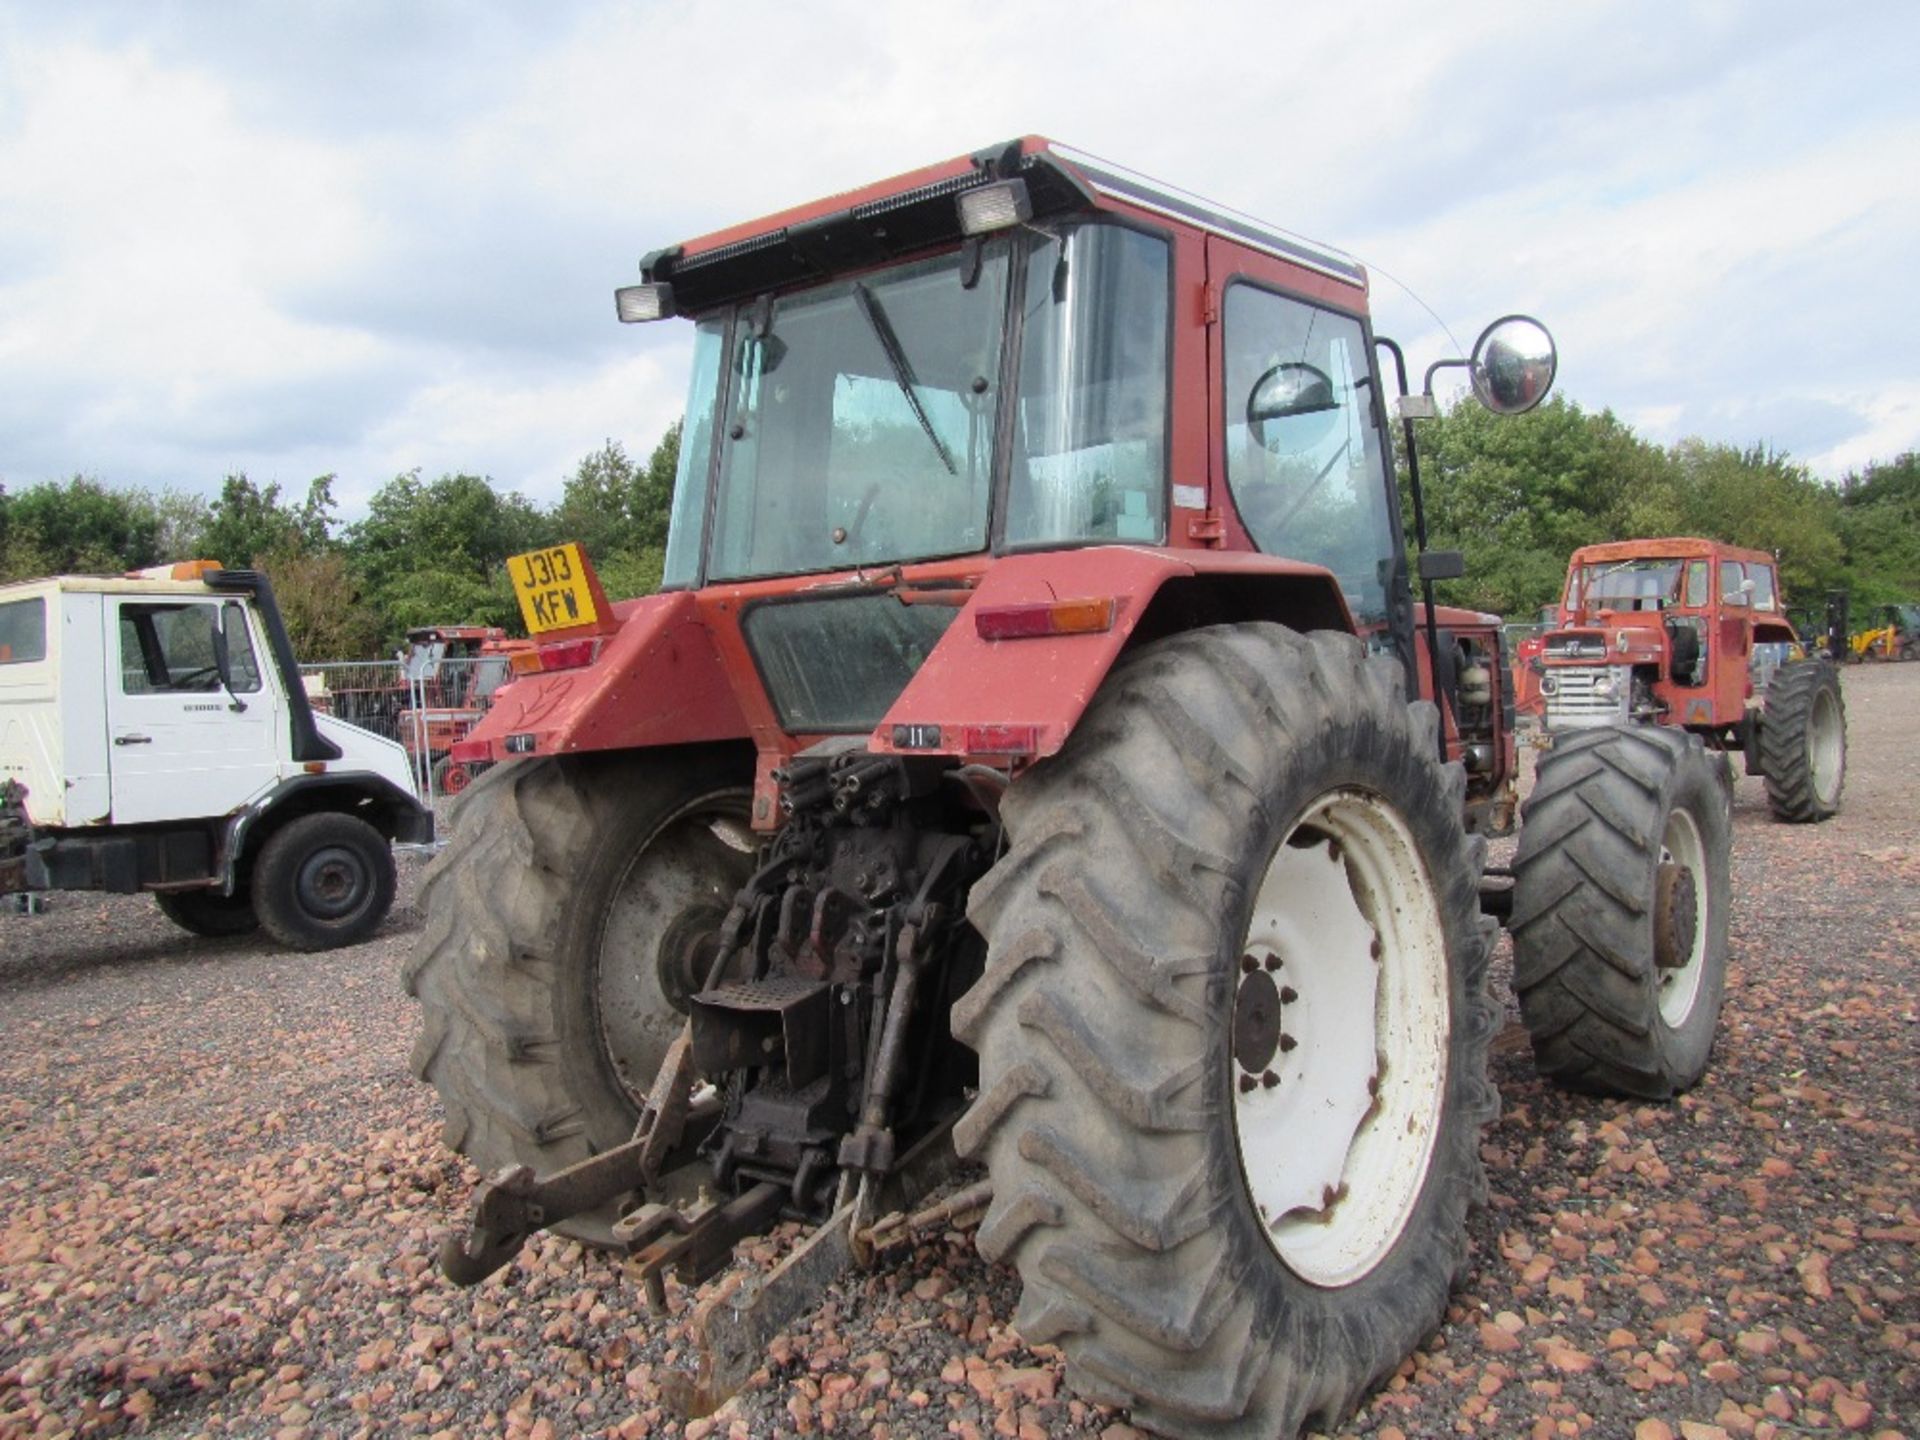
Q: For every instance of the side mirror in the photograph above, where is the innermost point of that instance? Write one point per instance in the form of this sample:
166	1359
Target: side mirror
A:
1513	365
1442	565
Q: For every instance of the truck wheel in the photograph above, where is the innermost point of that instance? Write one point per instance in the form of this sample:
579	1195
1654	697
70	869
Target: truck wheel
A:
323	881
567	922
1803	742
1620	904
1233	1034
208	912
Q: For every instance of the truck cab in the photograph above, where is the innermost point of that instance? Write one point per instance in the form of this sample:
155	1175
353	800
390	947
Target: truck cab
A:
154	737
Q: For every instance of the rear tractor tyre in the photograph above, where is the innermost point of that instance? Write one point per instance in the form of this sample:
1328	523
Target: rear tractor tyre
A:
323	881
1803	742
1620	905
568	920
208	912
1233	1034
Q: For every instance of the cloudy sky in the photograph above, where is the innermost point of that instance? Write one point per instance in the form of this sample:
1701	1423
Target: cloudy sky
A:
361	236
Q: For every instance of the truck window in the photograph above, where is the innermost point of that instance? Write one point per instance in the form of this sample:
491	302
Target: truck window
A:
1732	575
1304	460
23	631
168	648
1762	577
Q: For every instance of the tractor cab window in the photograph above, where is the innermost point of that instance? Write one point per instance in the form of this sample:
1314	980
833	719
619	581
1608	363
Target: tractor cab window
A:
1697	586
169	648
860	423
1763	595
1641	584
1733	577
1090	426
1304	457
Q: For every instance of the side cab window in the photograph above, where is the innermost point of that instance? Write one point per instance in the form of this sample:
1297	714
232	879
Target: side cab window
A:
168	648
1733	576
1763	587
1697	586
1304	457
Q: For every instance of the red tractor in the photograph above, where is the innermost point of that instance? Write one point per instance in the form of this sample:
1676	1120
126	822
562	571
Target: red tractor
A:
1037	753
454	670
1694	634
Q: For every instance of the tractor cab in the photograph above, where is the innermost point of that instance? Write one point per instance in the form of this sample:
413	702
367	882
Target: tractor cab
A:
1684	631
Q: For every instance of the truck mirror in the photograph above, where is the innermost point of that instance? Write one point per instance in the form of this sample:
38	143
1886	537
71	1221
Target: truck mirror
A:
1513	365
1442	564
223	656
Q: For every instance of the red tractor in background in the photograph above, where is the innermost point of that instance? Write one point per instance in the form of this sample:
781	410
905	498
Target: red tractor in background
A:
454	670
1694	634
1037	754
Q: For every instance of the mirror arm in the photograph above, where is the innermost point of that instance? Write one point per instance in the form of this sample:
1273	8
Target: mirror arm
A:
1426	385
1392	347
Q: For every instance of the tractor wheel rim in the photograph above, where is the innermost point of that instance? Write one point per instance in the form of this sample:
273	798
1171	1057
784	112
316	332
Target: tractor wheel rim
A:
664	910
1682	848
1338	1061
1825	755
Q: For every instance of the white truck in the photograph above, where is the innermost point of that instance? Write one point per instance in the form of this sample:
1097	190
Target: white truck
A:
154	735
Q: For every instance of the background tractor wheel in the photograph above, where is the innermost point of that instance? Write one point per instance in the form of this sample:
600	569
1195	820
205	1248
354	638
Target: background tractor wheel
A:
1233	1033
1803	742
567	922
1620	903
323	881
208	912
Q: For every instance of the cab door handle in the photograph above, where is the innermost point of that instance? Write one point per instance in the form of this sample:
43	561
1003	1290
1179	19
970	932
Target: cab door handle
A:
133	739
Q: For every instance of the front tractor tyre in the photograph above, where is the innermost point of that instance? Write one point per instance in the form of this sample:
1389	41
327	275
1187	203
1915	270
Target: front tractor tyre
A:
208	912
1803	742
322	881
1620	905
568	921
1233	1034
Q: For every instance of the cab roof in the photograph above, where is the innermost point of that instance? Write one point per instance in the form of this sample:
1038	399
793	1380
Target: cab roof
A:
1685	547
916	211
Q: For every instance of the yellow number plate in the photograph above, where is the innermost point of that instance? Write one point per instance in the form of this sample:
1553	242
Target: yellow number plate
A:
551	586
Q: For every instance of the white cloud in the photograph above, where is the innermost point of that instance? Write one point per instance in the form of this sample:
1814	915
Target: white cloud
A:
364	239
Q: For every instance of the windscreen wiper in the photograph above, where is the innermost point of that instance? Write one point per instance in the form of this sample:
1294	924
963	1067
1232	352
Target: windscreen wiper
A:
902	368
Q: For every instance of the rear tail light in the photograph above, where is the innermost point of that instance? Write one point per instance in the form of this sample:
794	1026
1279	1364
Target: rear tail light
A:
1046	617
999	739
561	655
467	752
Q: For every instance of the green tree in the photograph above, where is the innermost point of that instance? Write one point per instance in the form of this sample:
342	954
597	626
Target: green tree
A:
1517	494
1879	519
434	552
1758	498
620	512
250	524
80	527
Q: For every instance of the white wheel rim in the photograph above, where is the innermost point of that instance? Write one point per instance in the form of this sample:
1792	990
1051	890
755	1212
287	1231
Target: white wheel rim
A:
1825	754
1336	1131
1680	844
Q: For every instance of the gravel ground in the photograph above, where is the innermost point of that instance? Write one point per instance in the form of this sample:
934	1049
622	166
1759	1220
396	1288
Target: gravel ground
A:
220	1192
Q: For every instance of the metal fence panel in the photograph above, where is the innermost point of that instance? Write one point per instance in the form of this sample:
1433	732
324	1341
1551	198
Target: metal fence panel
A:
427	711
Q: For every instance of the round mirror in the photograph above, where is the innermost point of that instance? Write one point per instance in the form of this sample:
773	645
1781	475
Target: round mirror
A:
1289	390
1513	365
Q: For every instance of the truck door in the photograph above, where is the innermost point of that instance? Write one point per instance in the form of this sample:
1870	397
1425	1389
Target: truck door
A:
179	750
